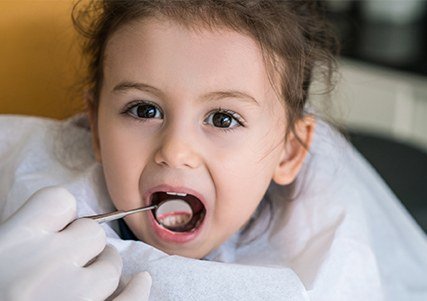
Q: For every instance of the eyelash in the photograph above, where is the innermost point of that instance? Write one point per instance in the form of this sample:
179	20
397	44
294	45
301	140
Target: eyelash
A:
127	109
237	117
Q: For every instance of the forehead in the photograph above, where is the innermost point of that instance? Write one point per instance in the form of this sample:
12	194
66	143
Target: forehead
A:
158	32
166	53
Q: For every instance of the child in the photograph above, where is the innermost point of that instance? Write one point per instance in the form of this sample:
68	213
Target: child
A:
206	102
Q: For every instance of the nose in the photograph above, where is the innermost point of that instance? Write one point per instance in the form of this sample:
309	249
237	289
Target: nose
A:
178	150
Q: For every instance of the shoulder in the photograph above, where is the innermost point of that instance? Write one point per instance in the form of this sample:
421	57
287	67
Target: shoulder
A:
11	126
37	152
20	130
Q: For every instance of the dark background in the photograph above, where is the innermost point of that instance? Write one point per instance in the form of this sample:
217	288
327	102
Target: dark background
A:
383	37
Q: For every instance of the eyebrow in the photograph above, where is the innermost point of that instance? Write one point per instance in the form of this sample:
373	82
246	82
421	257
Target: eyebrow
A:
216	95
231	94
126	85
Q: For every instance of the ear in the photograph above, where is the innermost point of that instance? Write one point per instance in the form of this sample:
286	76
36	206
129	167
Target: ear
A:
93	121
294	152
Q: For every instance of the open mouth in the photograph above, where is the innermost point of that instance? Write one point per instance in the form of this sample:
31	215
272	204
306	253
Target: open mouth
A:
178	212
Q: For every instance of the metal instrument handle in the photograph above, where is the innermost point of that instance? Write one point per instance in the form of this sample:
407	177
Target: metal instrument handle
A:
111	216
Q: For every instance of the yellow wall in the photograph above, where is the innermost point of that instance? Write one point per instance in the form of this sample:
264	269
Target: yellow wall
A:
39	58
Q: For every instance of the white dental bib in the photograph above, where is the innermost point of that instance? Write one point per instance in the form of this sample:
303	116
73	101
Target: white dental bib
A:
344	236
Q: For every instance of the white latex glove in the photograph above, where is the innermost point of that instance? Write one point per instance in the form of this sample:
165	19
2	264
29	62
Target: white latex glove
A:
40	260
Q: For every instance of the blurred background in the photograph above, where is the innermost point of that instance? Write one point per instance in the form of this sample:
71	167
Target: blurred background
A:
381	96
380	99
40	62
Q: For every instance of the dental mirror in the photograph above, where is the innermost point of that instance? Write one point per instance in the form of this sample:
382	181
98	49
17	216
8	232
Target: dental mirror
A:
171	214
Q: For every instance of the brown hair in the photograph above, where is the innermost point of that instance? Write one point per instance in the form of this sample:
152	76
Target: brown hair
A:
293	36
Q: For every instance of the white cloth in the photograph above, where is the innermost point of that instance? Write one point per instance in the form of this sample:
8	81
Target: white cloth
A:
343	235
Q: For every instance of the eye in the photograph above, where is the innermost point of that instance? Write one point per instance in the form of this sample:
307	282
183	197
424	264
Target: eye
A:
145	111
224	119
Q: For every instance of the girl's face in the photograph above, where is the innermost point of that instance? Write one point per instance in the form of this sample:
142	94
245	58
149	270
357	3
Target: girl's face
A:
190	112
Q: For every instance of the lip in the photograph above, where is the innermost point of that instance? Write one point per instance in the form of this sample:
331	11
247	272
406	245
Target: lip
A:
165	234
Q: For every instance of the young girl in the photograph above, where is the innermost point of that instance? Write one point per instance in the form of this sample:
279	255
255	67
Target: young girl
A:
205	102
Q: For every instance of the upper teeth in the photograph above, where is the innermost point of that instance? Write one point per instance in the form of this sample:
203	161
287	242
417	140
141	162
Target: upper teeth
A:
176	193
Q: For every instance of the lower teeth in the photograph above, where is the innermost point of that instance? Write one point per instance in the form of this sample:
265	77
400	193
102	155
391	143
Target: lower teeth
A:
174	220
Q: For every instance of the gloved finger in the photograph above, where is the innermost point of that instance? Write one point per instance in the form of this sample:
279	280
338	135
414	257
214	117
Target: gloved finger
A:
49	209
103	275
138	288
80	242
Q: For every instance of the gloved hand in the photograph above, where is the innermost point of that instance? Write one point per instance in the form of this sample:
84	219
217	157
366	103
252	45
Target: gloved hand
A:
41	258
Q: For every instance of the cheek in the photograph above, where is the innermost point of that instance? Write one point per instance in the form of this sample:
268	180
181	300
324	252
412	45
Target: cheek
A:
249	159
122	158
242	180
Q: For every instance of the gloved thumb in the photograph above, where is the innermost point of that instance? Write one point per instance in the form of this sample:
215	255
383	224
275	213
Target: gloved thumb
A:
138	288
50	209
